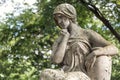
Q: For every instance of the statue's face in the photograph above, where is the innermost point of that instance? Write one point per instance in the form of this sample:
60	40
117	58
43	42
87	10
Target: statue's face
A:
62	21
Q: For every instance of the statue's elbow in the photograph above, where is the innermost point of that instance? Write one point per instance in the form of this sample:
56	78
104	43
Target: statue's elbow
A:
115	50
56	60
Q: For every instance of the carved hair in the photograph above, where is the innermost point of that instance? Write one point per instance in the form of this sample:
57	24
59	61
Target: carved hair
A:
66	10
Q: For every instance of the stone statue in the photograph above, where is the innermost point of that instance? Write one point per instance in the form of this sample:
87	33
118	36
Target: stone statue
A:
82	54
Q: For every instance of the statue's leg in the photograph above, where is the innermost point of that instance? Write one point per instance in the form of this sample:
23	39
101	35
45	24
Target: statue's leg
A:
102	68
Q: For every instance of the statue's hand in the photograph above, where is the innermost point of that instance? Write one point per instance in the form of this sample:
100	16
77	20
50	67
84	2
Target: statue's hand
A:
90	60
65	33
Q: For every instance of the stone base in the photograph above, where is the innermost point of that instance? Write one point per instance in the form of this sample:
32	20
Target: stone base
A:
51	74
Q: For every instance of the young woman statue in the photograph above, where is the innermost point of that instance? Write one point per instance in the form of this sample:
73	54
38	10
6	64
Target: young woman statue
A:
79	51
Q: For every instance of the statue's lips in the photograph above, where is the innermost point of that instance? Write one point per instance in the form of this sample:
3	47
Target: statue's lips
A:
62	26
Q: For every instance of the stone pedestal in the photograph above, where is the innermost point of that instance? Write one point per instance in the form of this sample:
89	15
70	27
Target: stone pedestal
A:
51	74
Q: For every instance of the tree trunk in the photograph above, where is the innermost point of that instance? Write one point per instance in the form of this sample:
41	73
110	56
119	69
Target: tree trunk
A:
99	15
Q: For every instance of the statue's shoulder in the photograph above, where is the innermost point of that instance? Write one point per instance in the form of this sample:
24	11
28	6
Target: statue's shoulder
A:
88	32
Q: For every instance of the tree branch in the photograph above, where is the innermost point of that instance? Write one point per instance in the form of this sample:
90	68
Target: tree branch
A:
99	15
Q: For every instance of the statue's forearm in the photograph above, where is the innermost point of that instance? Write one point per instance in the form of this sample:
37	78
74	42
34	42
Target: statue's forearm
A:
58	54
56	44
109	50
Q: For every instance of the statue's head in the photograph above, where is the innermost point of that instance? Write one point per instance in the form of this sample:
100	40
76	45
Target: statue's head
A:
66	10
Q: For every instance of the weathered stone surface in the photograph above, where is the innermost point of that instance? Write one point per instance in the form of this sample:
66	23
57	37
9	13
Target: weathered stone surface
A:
50	74
83	54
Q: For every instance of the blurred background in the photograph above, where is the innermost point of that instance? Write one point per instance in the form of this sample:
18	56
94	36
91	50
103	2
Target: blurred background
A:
27	32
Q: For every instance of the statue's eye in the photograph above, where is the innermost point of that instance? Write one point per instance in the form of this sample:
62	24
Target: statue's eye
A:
59	16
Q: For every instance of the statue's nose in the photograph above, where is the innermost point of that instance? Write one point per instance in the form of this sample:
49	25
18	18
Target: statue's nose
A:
59	21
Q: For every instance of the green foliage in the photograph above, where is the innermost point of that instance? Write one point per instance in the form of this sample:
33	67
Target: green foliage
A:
26	40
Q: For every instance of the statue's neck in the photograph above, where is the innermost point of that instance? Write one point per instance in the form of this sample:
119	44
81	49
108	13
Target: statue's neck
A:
74	30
